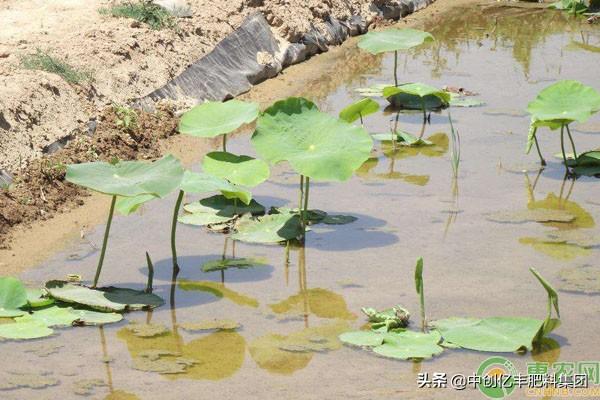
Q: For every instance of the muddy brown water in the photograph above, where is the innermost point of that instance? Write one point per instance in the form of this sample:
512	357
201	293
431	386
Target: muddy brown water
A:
407	206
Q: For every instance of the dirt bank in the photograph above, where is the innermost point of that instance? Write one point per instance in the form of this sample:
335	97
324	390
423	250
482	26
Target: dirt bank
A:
118	59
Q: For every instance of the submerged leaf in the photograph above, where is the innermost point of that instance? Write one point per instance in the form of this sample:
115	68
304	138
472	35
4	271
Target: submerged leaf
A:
315	144
272	228
128	178
211	119
239	170
582	279
376	42
531	215
147	330
216	324
338	219
239	263
496	334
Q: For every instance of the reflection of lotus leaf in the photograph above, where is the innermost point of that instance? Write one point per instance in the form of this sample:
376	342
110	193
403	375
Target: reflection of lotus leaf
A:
365	171
546	350
583	219
285	355
219	290
121	395
440	147
559	251
215	356
320	302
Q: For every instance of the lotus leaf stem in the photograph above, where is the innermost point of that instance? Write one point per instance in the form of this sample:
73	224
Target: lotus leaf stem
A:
174	230
572	143
396	68
424	109
422	304
225	142
537	147
361	118
301	194
150	273
305	213
562	146
105	241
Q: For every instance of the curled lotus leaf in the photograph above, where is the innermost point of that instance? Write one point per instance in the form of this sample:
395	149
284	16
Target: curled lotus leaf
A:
37	298
204	183
13	294
211	119
359	109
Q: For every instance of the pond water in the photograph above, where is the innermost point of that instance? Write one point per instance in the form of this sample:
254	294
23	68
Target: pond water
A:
408	205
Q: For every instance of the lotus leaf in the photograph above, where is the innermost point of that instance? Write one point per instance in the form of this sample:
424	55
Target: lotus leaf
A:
564	102
38	298
52	316
461	101
128	205
496	334
359	110
362	338
372	91
315	144
376	42
417	89
87	317
12	293
107	299
239	263
204	183
406	345
25	330
339	219
239	170
217	210
128	178
272	228
211	119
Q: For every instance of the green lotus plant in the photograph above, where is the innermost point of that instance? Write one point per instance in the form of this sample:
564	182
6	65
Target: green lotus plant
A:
128	179
359	110
556	107
211	119
429	97
316	145
494	334
394	40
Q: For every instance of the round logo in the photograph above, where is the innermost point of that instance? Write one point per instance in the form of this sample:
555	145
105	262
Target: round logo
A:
497	377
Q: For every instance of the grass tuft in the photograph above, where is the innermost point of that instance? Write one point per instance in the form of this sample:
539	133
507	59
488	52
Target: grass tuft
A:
45	62
144	11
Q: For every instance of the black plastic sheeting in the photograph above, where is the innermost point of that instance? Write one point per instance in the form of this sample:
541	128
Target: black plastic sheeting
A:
233	66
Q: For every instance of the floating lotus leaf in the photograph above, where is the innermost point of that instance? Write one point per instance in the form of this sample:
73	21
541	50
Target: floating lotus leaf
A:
496	334
106	299
564	102
573	237
359	109
372	91
420	90
219	290
239	170
16	380
211	119
52	316
128	178
376	42
87	317
532	215
162	362
216	324
25	330
11	313
272	228
588	163
315	144
12	293
557	250
204	183
440	143
38	298
217	210
238	263
400	344
313	216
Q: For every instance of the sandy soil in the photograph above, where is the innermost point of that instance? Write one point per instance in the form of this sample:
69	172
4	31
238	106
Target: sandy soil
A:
126	59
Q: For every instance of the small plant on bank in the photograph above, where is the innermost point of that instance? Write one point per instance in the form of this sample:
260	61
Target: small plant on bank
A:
144	11
43	61
127	118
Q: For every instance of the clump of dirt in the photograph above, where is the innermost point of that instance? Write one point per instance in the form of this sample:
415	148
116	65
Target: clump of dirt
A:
40	190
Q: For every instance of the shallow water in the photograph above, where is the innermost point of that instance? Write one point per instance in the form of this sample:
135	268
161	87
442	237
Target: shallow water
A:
407	206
